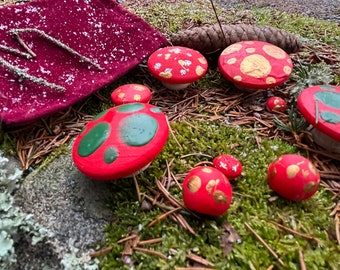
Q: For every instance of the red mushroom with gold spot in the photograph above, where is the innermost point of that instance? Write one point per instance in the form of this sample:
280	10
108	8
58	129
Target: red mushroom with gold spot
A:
276	104
129	93
121	141
207	190
229	165
255	64
320	106
177	67
293	177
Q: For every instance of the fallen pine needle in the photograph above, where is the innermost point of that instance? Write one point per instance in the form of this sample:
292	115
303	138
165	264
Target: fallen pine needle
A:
200	260
151	241
159	218
151	252
101	252
302	262
306	236
264	243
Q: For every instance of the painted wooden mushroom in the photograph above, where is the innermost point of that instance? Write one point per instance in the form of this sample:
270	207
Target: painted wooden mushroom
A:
276	104
130	93
121	141
229	165
177	67
320	106
255	65
293	177
207	190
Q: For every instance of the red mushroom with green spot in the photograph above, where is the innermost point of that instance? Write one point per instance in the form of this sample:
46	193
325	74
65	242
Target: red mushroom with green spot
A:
276	104
120	141
207	190
255	64
320	106
293	177
229	165
130	93
177	67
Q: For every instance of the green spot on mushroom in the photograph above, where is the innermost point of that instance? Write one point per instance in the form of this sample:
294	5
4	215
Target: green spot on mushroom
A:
156	110
130	107
99	115
327	87
331	99
110	155
93	139
138	129
330	117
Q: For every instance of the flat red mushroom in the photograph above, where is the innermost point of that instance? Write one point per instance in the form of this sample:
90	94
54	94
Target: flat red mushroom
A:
121	141
293	177
177	67
320	106
255	64
229	165
129	93
207	190
276	104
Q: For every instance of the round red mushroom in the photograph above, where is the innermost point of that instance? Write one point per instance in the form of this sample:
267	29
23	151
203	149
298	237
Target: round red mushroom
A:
255	64
320	106
293	177
176	67
207	190
229	165
276	104
129	93
120	141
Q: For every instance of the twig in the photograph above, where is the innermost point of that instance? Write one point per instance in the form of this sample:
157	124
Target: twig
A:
337	231
101	252
264	243
302	262
137	187
200	260
15	51
17	32
309	237
151	252
151	241
22	74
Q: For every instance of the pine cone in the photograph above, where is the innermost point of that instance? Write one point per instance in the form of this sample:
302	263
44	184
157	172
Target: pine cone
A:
209	39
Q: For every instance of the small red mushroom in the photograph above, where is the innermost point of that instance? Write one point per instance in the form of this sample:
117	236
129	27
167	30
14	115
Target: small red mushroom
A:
129	93
276	104
176	67
293	177
255	64
229	165
207	190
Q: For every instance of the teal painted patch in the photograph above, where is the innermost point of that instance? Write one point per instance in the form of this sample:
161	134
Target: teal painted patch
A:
138	129
330	117
156	110
93	139
327	87
331	99
110	155
130	107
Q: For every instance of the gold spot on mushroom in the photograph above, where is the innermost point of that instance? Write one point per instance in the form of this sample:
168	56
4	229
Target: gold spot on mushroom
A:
232	48
199	70
202	60
137	97
255	66
194	184
312	168
207	170
274	51
220	197
250	50
249	42
166	74
310	187
140	88
305	173
167	56
287	70
121	95
292	171
231	61
211	184
270	80
238	78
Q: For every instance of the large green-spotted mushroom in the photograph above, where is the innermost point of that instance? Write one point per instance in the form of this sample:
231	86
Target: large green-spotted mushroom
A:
320	106
121	141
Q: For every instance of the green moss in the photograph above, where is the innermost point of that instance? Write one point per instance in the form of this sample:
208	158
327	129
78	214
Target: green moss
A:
250	204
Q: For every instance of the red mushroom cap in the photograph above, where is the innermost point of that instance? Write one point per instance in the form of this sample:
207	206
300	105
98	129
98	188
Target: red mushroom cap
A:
207	190
229	165
177	65
276	104
255	64
121	141
320	106
293	177
129	93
